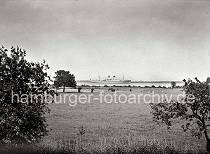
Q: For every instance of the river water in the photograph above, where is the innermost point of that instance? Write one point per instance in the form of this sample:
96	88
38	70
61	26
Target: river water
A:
137	84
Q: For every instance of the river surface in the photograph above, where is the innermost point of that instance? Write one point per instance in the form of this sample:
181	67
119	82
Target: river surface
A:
138	84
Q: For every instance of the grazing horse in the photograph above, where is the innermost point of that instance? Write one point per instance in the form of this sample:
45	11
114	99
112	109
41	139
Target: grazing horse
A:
111	89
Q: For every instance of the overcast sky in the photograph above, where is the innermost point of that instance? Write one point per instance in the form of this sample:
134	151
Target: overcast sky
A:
142	39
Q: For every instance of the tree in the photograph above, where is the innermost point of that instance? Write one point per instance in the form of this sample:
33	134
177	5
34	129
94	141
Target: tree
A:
64	79
22	122
173	84
79	89
208	80
193	110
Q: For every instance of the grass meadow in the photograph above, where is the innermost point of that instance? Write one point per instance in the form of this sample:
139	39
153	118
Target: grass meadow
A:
99	127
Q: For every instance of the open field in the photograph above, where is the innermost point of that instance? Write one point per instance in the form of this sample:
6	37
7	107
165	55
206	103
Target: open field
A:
116	126
111	125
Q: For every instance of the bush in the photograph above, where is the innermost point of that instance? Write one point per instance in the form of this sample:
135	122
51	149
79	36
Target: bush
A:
22	122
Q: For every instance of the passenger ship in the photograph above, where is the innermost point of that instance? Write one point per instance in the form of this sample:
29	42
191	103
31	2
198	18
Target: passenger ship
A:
111	80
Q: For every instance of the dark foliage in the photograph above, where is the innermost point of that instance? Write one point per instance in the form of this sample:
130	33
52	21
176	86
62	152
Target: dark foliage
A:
64	79
22	122
194	109
173	84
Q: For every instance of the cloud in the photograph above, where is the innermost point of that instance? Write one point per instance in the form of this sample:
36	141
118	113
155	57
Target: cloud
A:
141	35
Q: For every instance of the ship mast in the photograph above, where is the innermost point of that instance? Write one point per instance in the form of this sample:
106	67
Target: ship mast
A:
99	78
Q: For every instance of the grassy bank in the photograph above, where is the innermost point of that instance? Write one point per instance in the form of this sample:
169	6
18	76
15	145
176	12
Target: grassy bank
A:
110	128
110	123
149	149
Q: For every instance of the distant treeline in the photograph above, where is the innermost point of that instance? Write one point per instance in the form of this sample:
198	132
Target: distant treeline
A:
131	86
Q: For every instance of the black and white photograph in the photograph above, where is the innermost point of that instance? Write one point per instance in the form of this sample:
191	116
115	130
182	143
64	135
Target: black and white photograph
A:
104	76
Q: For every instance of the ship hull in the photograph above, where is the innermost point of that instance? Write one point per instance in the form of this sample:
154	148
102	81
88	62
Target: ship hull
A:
111	82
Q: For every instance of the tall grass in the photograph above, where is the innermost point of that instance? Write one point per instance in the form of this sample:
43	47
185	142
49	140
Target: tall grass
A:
121	146
138	150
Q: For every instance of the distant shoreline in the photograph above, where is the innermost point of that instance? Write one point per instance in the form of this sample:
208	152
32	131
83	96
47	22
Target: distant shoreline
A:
133	83
139	81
